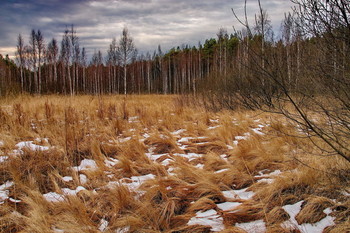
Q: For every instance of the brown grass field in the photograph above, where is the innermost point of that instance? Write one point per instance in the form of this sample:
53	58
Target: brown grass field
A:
157	164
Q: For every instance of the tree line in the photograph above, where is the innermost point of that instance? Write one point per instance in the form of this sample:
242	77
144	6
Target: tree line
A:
229	63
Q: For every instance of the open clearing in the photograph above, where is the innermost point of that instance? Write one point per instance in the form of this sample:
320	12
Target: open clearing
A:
154	164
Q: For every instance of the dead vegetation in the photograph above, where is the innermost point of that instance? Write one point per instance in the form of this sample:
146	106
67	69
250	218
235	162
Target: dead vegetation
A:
151	164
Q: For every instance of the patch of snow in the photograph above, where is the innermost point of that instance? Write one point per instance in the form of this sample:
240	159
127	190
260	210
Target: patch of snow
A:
222	170
133	183
133	119
264	180
86	164
208	218
4	193
258	131
345	193
184	139
243	194
200	166
224	157
67	191
110	162
253	227
189	156
122	140
83	179
123	229
67	178
241	138
2	143
31	146
318	227
3	158
229	147
6	185
226	206
103	225
57	230
214	127
275	173
229	194
154	157
14	200
53	197
166	162
177	132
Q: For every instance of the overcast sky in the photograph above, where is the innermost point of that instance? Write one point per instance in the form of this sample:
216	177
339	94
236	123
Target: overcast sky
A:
150	22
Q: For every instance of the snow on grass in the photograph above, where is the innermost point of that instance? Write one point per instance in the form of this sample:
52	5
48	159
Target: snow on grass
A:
110	162
253	227
274	173
3	158
264	180
133	183
4	193
222	170
103	225
258	131
238	138
14	200
122	140
31	146
53	197
83	179
56	230
67	191
208	218
2	143
123	229
86	164
134	119
229	194
67	178
241	194
187	139
226	206
266	177
318	227
214	127
244	194
345	193
177	132
166	162
224	157
154	157
189	156
184	139
56	197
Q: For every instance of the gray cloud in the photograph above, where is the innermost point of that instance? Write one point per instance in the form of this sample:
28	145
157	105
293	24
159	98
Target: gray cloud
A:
150	22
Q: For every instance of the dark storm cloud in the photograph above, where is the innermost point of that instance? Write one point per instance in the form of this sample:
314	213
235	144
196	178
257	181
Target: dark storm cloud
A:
151	22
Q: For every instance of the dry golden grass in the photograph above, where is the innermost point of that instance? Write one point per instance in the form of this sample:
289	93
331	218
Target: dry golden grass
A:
151	163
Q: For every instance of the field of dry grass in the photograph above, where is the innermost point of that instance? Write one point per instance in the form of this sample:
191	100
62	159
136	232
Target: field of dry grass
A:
155	164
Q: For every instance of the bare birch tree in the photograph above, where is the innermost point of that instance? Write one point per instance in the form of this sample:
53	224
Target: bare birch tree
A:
126	51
